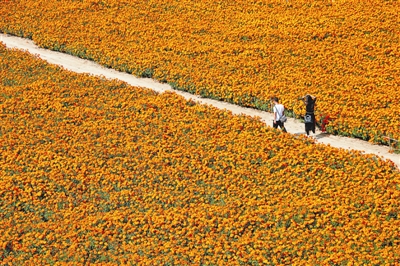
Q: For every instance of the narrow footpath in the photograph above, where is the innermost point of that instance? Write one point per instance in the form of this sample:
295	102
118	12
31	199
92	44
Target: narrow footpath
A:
293	126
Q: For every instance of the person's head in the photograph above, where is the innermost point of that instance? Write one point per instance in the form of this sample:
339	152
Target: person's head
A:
275	100
308	100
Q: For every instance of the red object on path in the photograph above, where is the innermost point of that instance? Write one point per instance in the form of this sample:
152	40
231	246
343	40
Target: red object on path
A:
324	122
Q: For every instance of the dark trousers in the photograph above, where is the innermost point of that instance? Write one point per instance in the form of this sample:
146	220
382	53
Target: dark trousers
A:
280	124
310	127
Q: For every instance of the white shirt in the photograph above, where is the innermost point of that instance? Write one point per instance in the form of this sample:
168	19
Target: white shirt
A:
278	109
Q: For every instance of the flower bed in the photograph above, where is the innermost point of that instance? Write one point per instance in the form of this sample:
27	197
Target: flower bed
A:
96	171
241	52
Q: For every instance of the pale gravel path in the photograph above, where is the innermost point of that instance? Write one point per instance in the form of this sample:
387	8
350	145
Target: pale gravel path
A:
86	66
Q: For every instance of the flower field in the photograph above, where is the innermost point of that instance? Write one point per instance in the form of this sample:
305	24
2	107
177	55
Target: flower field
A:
344	52
96	171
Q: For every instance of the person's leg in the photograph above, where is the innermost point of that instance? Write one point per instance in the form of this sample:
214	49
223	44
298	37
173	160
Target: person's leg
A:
275	125
314	122
282	125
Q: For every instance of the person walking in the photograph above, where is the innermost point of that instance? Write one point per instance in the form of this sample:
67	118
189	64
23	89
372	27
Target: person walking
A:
309	117
279	117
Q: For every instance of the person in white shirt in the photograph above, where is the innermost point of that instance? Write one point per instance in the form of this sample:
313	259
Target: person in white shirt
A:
278	114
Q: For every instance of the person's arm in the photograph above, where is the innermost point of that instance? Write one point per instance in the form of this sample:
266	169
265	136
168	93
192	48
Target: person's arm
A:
274	114
314	99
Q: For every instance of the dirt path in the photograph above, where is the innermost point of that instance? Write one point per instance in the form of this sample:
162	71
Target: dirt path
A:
293	126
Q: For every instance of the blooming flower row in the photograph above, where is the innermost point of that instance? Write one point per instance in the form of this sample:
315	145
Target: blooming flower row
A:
241	51
96	171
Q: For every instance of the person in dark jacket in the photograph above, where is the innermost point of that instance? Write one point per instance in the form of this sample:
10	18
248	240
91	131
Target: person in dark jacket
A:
309	117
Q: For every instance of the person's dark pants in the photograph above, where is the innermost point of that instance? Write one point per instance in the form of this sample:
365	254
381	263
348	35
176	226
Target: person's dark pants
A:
310	127
280	124
309	120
